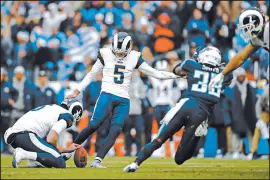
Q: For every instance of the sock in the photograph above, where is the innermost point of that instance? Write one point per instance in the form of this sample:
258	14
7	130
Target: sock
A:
29	155
98	159
172	150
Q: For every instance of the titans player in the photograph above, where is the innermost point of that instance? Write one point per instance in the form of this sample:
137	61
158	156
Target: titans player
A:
192	111
117	62
253	27
28	134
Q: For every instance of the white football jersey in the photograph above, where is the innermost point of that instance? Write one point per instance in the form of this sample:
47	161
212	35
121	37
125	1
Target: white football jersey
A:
117	72
164	92
40	120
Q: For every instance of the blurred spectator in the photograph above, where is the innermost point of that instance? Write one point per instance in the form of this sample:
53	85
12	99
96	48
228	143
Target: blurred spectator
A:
110	13
20	25
208	9
42	55
28	97
147	55
197	29
242	110
8	97
135	120
47	94
60	36
99	18
68	20
88	12
6	49
52	18
142	33
65	68
164	7
220	120
73	40
163	37
184	12
147	110
262	125
224	32
162	95
126	12
127	25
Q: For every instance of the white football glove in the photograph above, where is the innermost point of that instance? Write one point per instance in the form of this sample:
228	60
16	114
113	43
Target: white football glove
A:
202	129
216	80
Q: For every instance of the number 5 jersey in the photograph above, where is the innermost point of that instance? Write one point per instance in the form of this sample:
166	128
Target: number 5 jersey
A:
117	72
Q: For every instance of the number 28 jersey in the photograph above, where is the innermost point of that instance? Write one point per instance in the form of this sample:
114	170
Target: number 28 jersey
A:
198	77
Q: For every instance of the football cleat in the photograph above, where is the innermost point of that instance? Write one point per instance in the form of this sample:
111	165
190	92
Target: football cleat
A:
34	164
96	164
17	158
131	168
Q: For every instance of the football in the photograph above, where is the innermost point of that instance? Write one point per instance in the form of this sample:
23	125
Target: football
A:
80	157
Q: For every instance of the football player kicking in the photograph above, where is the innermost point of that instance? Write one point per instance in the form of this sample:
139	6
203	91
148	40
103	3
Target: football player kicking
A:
192	111
28	133
117	62
253	27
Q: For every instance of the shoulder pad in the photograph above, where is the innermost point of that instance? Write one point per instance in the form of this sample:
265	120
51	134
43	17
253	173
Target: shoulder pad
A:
67	117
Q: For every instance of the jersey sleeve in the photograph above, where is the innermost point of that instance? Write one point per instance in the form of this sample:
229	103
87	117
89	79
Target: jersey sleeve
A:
100	58
66	117
140	61
186	66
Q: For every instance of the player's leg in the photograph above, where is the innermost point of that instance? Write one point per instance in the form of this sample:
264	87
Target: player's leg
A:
31	147
139	132
191	135
128	138
102	133
119	115
103	108
175	121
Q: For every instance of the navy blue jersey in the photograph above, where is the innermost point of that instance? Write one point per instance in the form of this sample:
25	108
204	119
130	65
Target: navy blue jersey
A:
198	77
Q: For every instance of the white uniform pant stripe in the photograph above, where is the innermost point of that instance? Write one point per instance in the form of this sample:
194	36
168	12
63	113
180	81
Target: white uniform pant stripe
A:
37	143
172	112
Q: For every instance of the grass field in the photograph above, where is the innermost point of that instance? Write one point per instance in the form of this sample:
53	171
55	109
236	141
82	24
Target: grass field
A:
153	168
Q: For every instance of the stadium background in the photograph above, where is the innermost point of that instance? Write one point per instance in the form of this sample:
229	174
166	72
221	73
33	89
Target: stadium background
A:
58	40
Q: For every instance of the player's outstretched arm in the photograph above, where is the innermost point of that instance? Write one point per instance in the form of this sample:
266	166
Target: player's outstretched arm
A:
234	63
53	135
240	58
148	70
97	67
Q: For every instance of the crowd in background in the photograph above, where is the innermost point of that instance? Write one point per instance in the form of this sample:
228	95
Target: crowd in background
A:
49	46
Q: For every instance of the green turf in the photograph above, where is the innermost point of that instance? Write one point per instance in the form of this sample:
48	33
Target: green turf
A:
153	168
